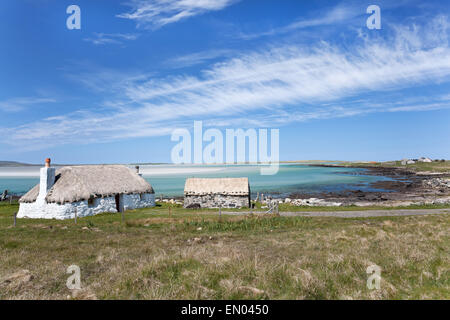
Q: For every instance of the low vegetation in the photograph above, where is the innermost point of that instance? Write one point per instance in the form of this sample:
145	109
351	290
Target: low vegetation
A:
159	253
435	166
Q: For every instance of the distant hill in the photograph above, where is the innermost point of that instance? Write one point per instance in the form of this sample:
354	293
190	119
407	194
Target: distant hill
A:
13	164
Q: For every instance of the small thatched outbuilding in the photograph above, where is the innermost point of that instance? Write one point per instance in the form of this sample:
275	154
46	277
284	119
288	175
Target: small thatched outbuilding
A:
217	192
86	190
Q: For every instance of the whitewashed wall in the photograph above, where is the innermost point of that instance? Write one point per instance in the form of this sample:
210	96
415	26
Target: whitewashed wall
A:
135	201
66	211
43	210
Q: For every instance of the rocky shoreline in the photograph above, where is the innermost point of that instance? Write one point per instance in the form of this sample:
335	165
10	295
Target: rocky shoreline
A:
403	189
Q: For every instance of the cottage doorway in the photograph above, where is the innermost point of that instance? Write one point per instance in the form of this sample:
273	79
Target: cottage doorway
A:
118	202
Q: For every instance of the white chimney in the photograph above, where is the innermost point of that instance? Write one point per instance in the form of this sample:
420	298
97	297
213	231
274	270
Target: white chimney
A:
47	180
137	170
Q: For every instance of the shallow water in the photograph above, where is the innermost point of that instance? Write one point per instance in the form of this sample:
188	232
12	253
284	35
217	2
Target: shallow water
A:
168	180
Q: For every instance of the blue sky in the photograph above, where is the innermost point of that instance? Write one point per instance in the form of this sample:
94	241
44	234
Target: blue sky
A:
116	89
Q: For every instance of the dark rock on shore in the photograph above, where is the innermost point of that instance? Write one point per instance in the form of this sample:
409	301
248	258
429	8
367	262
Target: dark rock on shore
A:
404	188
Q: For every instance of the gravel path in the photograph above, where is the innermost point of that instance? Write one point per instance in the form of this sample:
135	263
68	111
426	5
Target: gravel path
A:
355	214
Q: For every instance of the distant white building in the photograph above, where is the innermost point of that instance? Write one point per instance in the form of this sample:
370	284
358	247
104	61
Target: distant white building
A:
412	161
86	190
407	161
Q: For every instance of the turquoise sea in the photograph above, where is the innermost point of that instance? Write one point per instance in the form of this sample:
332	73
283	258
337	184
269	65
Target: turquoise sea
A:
168	180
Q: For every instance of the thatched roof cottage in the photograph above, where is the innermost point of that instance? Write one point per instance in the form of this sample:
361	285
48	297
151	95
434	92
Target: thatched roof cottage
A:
86	190
215	192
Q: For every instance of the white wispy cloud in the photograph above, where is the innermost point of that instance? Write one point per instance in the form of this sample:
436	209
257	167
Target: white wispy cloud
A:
22	103
339	14
111	38
266	88
198	58
343	13
157	13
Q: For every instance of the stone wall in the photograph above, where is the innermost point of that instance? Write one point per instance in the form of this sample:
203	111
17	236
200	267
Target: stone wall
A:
44	210
135	201
214	200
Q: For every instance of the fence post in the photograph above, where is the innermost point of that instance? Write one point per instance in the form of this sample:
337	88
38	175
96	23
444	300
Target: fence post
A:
220	212
170	212
15	216
10	199
122	214
76	215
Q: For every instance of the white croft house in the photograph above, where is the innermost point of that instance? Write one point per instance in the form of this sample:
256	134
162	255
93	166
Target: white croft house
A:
85	190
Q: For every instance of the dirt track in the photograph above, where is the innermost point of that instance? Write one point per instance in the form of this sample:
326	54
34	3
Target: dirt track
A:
356	214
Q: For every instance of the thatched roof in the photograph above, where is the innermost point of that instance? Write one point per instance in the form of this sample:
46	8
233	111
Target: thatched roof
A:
76	183
224	186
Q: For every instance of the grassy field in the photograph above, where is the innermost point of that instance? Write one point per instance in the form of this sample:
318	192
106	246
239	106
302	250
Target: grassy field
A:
195	255
438	166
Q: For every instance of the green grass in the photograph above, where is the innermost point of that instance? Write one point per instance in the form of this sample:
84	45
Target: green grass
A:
291	208
162	208
191	254
435	166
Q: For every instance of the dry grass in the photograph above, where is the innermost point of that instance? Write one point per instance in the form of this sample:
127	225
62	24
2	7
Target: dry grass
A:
194	256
